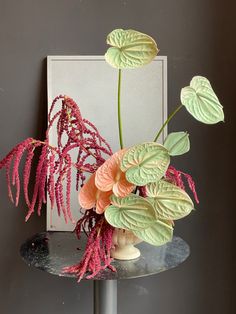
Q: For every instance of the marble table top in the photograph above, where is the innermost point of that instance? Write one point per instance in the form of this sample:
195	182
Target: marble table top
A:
51	251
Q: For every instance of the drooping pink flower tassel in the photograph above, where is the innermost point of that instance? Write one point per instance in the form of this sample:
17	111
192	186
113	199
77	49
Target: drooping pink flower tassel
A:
175	176
73	134
14	156
37	181
8	178
97	252
26	173
42	185
68	189
51	182
59	194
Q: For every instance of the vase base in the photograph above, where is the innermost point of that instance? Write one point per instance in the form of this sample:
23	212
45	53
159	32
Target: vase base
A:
125	253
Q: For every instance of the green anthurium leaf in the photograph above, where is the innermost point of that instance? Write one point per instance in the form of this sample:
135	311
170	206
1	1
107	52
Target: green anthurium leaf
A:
145	163
159	233
132	212
177	143
130	49
201	101
169	201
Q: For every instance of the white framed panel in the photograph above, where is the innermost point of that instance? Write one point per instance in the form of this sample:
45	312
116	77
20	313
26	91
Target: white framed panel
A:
92	83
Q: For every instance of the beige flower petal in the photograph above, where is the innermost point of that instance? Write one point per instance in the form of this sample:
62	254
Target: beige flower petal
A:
87	194
122	187
103	201
106	175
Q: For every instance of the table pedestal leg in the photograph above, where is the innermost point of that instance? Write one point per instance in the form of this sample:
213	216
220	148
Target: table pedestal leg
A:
105	296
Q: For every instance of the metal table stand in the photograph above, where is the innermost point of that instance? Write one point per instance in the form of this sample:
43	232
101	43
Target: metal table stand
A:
51	251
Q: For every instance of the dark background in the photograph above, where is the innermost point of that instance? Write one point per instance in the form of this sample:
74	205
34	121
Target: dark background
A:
198	36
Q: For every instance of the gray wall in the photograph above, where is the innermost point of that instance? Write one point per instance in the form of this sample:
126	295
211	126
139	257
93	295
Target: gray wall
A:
198	36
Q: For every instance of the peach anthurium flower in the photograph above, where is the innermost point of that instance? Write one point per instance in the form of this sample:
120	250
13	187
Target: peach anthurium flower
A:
110	177
90	196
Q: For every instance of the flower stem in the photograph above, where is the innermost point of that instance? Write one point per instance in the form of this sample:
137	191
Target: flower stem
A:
167	121
119	113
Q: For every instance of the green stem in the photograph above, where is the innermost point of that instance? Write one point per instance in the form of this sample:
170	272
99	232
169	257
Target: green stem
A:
119	114
167	121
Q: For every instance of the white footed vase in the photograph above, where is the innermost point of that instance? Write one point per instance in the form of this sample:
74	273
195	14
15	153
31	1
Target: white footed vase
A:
124	241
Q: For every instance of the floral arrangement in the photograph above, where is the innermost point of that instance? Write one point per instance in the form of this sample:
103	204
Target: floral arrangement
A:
135	189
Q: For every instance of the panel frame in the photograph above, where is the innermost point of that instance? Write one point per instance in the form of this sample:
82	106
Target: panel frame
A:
55	58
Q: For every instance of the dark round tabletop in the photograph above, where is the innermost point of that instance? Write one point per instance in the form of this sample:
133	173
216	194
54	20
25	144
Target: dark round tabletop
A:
51	251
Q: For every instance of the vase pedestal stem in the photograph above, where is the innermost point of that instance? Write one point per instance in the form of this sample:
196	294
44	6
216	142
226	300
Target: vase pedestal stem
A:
105	296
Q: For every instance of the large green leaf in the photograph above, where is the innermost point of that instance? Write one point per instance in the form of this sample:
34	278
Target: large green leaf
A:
130	49
177	143
157	234
201	101
132	212
169	201
145	163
